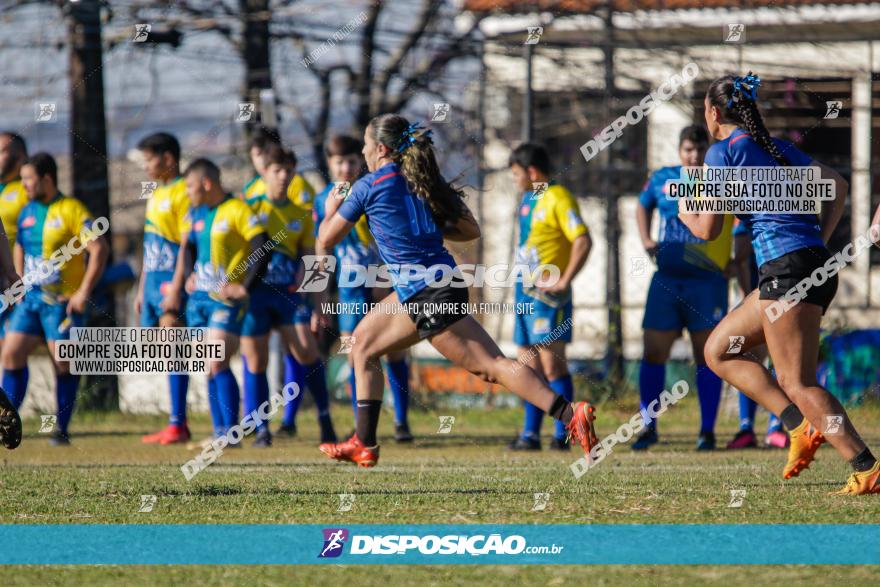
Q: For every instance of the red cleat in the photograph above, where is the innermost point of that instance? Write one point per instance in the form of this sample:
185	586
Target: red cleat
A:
352	451
171	434
580	429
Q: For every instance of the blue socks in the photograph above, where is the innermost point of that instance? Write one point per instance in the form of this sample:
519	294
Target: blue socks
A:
15	383
353	384
228	397
66	395
293	373
651	380
747	409
317	382
398	380
564	387
214	403
179	384
532	424
256	392
709	392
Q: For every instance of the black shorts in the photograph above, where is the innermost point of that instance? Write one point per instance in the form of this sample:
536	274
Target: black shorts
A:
780	275
433	309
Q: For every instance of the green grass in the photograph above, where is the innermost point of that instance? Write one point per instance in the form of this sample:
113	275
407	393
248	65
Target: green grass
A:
462	477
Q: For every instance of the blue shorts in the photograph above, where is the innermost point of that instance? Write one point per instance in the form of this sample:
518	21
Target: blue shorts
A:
362	297
35	316
695	303
4	319
272	306
535	328
202	311
153	296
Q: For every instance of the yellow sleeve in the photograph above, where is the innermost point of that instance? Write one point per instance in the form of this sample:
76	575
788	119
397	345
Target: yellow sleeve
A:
77	216
301	192
568	214
181	212
307	236
247	222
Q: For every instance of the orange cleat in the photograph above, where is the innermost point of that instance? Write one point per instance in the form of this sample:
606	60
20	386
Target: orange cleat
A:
352	451
805	441
580	429
862	483
171	434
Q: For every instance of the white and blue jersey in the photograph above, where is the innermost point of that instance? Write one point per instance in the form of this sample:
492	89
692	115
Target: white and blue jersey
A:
773	235
402	225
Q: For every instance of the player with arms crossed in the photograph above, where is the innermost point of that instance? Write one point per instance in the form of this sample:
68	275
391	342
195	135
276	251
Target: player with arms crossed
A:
346	163
788	248
274	302
225	236
551	232
165	224
689	290
410	209
56	301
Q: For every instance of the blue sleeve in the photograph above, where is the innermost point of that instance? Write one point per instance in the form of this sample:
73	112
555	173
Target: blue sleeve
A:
318	210
740	229
795	156
648	197
716	155
355	205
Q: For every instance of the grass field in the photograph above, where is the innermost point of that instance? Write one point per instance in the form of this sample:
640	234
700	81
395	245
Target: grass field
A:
461	477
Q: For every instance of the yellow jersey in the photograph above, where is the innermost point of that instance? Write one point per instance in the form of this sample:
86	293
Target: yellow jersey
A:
299	191
12	199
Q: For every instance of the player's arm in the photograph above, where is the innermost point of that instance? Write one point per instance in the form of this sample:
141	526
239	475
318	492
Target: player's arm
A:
644	216
832	210
183	267
463	229
18	258
742	259
99	252
254	272
335	227
702	225
7	267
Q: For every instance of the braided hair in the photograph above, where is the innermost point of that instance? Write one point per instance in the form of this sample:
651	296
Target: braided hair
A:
736	100
412	149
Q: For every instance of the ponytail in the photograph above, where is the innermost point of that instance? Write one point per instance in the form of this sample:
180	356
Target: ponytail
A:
412	149
736	100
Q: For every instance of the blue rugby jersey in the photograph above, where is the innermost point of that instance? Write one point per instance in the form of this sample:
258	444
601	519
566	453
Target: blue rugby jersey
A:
773	235
400	222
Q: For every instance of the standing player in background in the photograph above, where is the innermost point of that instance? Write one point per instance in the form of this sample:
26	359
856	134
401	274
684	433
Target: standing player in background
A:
57	299
689	290
165	224
225	236
789	248
302	194
274	302
11	193
410	209
346	163
13	153
747	277
551	233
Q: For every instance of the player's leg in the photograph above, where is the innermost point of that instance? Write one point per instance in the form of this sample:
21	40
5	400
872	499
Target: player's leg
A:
398	381
224	325
661	325
530	437
304	347
20	341
748	408
56	326
555	368
708	392
793	342
295	371
255	352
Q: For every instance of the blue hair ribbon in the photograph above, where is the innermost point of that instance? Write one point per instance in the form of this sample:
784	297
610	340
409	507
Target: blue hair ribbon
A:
745	87
409	136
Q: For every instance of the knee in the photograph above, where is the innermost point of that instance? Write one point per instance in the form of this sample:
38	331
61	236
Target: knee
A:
655	353
793	386
363	350
12	358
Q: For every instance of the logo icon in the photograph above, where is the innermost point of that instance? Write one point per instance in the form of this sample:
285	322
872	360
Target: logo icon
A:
638	266
539	188
141	32
446	423
334	540
341	189
833	424
736	498
47	423
246	112
147	189
346	500
46	112
735	344
534	35
833	109
735	33
147	503
440	113
317	274
541	501
346	343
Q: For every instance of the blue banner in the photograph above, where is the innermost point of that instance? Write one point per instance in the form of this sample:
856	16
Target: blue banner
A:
167	544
